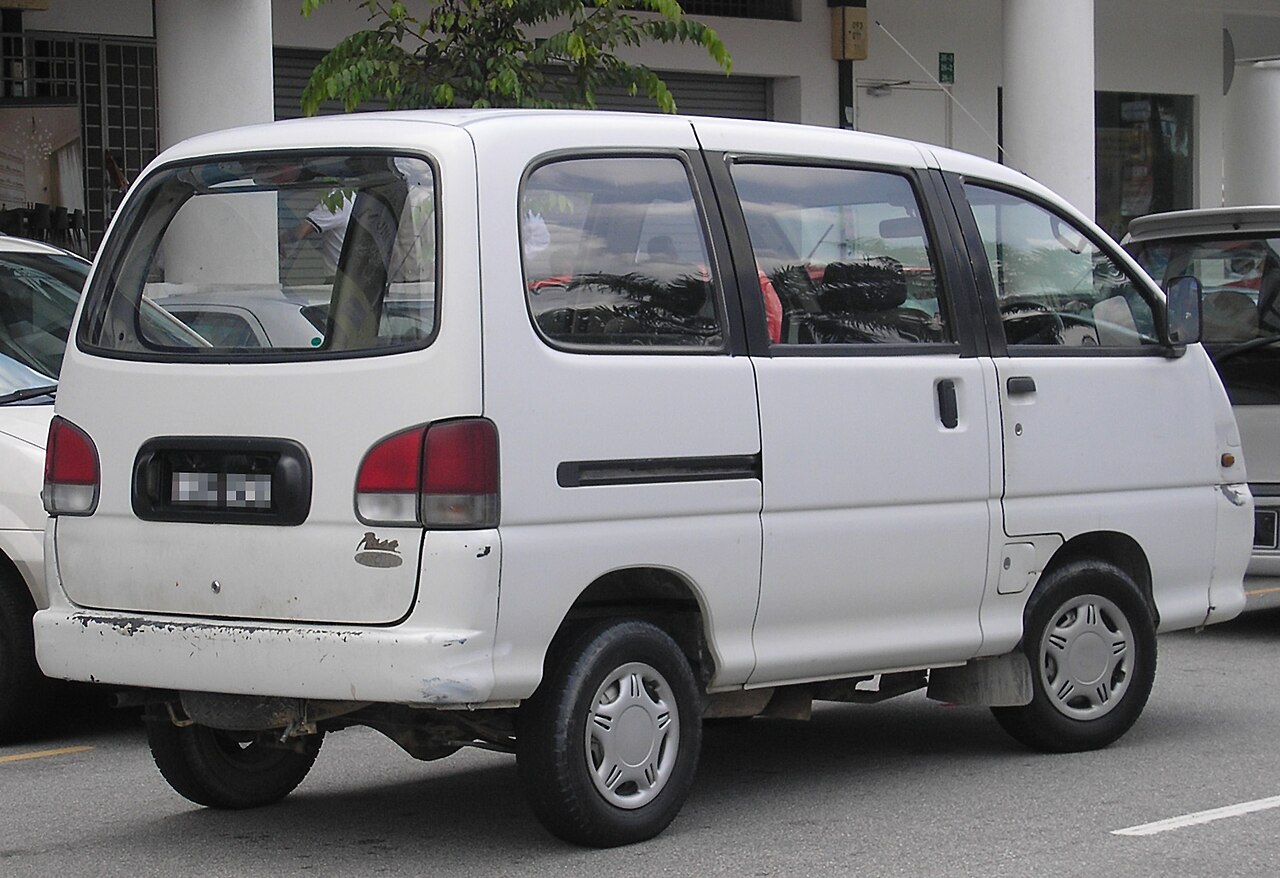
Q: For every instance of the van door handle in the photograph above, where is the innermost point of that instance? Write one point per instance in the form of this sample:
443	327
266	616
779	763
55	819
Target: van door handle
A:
1020	384
948	409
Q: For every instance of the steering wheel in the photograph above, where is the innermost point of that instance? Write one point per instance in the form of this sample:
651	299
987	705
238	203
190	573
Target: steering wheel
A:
1028	322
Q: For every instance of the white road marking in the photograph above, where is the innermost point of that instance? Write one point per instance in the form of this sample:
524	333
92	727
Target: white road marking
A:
1200	817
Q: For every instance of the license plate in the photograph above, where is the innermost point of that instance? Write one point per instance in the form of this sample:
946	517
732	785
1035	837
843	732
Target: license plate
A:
1264	529
221	490
222	481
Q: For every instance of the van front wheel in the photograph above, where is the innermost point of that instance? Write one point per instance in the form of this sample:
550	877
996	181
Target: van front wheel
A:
608	745
1091	643
220	769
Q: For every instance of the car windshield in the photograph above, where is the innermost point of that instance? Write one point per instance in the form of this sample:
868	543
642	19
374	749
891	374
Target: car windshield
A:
38	296
18	380
1240	277
1240	306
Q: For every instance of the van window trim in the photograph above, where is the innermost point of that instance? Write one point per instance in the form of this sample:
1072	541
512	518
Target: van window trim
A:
981	268
717	254
95	304
967	340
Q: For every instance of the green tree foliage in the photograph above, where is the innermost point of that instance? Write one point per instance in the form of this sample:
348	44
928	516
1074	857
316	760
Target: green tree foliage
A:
478	53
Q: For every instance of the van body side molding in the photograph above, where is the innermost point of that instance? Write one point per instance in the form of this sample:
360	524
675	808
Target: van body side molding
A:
656	470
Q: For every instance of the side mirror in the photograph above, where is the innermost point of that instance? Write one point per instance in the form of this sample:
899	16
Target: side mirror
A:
1182	310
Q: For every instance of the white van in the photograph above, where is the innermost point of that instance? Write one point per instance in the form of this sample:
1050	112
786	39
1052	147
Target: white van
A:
607	423
1235	254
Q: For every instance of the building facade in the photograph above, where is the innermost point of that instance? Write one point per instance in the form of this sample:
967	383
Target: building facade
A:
1124	108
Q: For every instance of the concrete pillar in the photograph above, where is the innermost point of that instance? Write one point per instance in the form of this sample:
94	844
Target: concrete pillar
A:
214	70
213	63
1048	95
1251	148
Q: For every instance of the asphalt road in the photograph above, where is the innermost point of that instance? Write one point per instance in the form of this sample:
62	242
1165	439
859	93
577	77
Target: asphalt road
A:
908	787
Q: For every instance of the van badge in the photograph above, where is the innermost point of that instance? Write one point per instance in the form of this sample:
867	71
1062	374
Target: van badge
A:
373	552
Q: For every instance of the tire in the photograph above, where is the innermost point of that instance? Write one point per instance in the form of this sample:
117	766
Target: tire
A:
607	748
221	769
1091	643
25	694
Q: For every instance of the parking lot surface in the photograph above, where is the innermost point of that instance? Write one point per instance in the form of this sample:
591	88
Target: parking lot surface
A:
908	787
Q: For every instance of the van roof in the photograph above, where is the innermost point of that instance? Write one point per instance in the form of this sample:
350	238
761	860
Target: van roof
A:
391	127
403	129
1206	221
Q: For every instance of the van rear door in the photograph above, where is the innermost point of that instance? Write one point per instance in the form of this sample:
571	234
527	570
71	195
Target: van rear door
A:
230	470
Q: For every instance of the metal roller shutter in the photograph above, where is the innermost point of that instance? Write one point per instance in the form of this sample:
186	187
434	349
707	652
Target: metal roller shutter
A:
697	94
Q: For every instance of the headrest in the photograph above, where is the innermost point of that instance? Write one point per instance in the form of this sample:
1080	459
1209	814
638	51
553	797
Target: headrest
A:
872	285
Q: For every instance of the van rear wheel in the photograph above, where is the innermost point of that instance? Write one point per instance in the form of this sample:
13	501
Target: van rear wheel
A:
1091	642
221	769
608	746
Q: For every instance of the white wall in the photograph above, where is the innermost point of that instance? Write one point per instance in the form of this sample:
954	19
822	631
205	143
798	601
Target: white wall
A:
129	18
971	30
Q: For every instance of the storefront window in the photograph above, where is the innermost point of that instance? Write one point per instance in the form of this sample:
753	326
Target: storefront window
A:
1145	151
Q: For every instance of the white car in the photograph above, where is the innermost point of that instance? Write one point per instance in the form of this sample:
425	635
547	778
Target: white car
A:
39	288
701	417
1235	254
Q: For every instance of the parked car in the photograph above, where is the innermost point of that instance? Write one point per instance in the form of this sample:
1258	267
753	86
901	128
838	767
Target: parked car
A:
274	318
709	418
39	288
1235	253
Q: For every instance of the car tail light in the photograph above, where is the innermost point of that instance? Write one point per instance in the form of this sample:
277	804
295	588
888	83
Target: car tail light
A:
443	475
389	477
71	472
460	475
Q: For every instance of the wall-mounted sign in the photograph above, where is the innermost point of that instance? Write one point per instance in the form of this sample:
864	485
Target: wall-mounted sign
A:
947	68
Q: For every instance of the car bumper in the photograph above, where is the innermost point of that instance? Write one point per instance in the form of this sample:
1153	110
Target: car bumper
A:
441	655
401	664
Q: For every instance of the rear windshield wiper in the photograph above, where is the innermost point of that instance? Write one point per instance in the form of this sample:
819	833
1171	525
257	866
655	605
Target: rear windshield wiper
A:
28	393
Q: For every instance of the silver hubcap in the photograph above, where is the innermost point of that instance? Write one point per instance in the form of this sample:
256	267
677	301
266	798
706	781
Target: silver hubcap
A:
1086	657
633	734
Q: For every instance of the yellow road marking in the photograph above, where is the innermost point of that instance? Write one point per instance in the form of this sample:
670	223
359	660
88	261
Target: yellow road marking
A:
43	754
1261	591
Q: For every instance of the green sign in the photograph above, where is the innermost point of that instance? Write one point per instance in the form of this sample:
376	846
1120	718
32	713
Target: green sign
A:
947	68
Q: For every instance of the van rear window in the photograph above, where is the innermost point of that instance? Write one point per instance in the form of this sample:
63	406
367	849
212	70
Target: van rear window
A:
278	257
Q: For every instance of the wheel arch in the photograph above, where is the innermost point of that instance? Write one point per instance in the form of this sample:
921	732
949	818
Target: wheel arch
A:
658	595
1116	548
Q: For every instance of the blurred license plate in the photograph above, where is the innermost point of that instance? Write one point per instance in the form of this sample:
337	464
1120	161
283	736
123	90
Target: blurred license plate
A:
221	490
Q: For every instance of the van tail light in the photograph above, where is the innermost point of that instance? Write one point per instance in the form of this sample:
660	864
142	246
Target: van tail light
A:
460	475
442	476
71	471
388	480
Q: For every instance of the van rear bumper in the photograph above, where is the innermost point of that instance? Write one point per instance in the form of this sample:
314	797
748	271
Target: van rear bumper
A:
402	664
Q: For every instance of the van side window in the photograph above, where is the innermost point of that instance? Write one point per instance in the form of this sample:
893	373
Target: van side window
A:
1053	285
615	255
846	253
